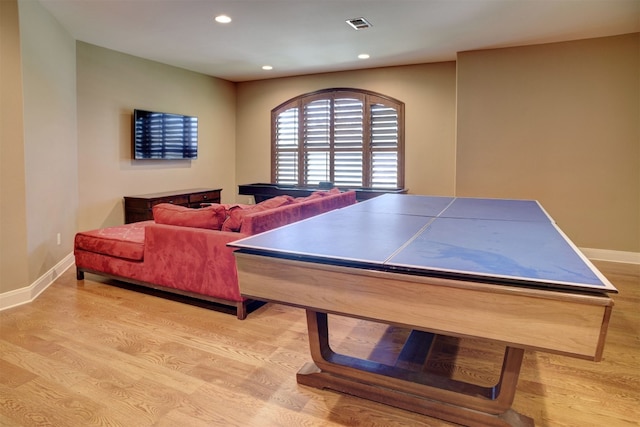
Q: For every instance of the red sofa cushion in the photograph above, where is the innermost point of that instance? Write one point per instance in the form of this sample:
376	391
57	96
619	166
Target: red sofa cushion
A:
238	212
211	217
323	193
123	241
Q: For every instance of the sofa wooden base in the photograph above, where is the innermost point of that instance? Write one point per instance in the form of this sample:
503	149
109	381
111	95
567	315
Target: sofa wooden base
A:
240	307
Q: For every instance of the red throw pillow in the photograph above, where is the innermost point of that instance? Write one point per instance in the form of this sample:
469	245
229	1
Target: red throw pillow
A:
334	190
211	217
237	213
276	202
234	219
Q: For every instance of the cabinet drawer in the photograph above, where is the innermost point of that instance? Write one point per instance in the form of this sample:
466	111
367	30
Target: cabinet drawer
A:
209	197
175	200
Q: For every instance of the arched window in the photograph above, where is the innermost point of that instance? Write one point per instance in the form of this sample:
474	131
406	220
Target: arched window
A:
352	138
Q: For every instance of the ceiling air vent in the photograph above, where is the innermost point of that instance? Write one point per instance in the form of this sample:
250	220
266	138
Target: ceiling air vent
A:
359	23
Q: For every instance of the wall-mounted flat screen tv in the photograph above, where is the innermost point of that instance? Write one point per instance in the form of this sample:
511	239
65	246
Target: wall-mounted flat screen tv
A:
164	136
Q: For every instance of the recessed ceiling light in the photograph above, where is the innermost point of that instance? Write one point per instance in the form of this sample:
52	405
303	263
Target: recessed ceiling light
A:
223	19
363	56
267	67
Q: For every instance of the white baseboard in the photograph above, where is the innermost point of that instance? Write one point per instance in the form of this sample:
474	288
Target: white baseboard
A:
613	256
28	294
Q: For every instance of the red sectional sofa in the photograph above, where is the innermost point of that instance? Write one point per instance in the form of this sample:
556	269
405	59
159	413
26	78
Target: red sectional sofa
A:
185	250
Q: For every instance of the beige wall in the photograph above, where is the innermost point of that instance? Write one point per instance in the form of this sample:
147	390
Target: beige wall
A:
48	60
13	224
556	122
110	86
428	92
559	123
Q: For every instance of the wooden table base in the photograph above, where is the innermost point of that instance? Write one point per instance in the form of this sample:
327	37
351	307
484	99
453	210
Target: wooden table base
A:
424	393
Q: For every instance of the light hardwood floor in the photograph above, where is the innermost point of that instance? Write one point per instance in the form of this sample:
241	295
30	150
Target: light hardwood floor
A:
90	353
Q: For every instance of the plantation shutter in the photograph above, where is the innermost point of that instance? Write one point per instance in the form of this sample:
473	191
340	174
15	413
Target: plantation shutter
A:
317	141
285	164
348	142
351	138
384	146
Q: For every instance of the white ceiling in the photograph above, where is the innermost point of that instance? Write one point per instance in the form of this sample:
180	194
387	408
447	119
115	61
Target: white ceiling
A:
311	36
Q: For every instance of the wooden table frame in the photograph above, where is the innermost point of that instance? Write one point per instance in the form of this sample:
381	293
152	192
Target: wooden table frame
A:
416	391
569	323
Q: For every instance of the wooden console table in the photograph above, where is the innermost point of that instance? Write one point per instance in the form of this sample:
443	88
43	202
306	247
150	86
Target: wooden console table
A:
139	208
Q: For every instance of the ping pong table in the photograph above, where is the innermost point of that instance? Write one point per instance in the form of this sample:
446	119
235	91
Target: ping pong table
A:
492	269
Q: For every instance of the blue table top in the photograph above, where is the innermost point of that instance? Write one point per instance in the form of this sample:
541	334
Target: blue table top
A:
485	240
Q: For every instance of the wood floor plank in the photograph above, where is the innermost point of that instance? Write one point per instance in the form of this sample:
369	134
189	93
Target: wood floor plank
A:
93	354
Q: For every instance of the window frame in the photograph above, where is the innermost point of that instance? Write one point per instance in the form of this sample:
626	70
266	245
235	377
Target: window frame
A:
368	99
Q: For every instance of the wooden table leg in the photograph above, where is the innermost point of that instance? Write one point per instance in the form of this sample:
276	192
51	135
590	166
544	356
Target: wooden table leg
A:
420	392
